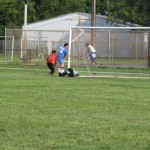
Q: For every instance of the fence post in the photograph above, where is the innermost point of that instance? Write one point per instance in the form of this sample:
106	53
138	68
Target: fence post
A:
148	50
93	23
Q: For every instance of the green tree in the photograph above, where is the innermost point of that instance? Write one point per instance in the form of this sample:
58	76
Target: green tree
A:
52	8
46	8
130	11
69	6
12	11
12	14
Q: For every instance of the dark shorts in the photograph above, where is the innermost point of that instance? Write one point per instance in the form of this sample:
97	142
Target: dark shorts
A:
71	74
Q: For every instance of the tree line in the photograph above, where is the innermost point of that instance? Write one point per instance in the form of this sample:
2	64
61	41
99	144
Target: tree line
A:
12	11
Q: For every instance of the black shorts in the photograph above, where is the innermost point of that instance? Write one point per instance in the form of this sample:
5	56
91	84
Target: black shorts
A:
71	74
50	65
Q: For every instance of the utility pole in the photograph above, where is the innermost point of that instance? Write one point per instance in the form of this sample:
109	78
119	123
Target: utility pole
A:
108	8
93	22
25	34
148	50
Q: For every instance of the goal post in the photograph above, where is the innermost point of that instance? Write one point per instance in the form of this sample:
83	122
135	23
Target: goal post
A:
77	48
71	41
69	50
115	46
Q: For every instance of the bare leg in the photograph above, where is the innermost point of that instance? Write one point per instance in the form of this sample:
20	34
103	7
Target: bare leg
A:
62	67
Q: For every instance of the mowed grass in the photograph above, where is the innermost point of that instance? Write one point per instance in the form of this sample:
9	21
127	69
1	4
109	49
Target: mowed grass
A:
42	112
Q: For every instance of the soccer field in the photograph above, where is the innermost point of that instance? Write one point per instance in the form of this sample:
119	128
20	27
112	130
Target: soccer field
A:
38	111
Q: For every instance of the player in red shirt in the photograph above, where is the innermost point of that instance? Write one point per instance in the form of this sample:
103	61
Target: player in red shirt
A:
51	61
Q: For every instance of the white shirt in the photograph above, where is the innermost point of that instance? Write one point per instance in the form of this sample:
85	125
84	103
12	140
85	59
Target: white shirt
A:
92	49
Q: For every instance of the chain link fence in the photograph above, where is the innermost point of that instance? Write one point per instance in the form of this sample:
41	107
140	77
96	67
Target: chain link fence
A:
115	47
33	46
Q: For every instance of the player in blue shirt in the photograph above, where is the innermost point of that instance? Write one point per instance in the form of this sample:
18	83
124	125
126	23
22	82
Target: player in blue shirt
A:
62	54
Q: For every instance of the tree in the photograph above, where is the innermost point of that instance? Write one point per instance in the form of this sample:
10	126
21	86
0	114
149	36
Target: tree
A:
130	11
72	6
12	14
48	8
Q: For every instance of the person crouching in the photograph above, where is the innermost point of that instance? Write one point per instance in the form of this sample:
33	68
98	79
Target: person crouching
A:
52	61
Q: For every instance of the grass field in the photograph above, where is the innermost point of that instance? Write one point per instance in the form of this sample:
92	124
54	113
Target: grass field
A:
42	112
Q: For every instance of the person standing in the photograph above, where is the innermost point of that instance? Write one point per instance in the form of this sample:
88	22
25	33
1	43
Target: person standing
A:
52	61
62	54
92	53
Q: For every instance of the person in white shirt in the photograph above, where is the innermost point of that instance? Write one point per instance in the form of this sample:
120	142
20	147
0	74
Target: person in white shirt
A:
92	53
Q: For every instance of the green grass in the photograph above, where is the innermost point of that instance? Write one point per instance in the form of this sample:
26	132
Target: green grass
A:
42	112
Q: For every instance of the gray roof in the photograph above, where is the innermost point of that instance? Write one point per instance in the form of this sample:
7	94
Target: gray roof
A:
64	22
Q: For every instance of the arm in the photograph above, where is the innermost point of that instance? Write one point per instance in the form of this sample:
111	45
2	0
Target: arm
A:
66	54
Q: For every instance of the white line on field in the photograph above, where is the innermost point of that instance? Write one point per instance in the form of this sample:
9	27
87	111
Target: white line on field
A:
122	77
20	68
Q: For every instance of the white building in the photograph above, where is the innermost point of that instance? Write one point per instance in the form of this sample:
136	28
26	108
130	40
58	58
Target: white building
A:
55	31
72	19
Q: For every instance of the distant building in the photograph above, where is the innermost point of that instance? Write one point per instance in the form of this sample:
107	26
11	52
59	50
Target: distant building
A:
56	30
72	19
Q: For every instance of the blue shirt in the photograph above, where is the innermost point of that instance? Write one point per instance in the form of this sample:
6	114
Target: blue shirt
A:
62	52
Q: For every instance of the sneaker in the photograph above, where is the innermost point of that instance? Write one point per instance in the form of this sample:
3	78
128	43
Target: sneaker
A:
62	70
59	70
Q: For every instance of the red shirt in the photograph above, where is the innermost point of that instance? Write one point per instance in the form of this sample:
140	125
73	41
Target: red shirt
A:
52	58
